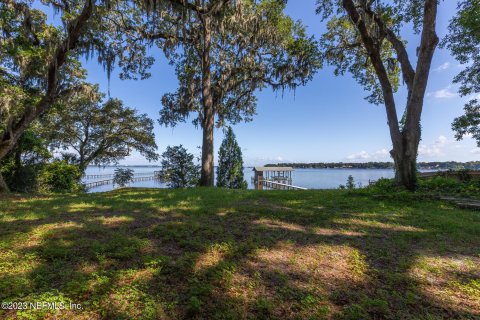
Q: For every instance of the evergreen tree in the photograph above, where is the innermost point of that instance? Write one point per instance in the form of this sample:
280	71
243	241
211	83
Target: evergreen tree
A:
178	169
350	182
230	163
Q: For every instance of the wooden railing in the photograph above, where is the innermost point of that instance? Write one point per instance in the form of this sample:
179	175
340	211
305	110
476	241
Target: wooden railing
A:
278	185
110	175
95	184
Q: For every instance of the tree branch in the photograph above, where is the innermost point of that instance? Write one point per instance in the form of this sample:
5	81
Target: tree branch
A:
74	28
428	43
375	57
399	47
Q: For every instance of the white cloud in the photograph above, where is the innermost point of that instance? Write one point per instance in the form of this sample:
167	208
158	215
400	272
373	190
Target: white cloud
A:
362	155
443	94
279	158
475	151
441	140
382	153
434	149
443	67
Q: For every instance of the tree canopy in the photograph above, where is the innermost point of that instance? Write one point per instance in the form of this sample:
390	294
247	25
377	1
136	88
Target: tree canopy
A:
252	46
363	37
39	61
463	40
100	133
223	52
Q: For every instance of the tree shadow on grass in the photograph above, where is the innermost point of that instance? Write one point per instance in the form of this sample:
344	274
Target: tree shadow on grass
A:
236	255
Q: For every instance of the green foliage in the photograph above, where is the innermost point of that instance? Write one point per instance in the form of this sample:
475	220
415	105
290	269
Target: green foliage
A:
461	185
469	123
194	305
20	168
341	45
122	176
384	185
463	40
59	176
365	39
254	45
100	133
264	307
39	60
28	56
450	186
350	183
230	163
178	169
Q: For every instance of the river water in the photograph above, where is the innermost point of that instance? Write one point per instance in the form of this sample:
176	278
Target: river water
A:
307	178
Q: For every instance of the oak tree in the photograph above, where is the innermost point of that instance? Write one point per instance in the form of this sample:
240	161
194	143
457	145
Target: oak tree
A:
98	132
39	60
224	51
364	38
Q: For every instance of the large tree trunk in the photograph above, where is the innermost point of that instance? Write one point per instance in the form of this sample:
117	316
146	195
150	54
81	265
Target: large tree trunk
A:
406	165
207	150
406	158
208	122
404	141
82	167
406	172
3	185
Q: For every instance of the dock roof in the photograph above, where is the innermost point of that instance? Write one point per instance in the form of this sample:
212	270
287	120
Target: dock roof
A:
273	169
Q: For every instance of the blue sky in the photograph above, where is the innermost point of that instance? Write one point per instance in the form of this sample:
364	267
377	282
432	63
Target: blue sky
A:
328	120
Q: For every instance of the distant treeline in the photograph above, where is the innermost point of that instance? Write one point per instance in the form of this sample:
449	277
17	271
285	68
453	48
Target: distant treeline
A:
449	165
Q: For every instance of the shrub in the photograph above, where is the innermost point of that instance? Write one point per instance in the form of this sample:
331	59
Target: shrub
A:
59	176
450	186
384	185
21	179
178	169
122	176
350	183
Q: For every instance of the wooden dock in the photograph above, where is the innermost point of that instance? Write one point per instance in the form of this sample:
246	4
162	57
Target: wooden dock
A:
99	183
110	175
97	176
95	184
278	185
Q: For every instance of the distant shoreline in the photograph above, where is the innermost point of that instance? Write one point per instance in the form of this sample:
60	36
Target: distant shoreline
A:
447	165
436	165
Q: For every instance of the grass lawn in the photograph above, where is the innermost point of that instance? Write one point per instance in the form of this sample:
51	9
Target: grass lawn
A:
219	254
